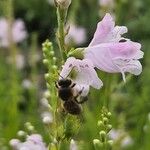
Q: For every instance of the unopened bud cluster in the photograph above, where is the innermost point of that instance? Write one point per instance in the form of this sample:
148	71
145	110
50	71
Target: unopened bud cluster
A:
49	61
104	125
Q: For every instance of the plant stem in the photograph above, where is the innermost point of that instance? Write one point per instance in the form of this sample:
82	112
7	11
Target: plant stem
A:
61	16
107	91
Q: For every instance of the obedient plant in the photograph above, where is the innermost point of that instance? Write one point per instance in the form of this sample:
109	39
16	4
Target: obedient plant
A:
108	51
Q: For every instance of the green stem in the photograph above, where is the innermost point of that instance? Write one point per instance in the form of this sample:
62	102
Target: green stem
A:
61	16
107	91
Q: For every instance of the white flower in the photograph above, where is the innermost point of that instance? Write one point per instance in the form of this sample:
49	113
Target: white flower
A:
26	83
73	145
47	117
18	32
76	34
85	75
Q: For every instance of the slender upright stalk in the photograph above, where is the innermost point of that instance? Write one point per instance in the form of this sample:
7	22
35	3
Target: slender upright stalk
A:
61	17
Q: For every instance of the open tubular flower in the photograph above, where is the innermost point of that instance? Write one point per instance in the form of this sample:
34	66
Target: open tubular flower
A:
110	52
83	72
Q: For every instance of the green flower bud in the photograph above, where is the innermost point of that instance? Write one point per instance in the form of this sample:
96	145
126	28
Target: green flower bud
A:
31	128
51	53
109	114
45	62
77	53
44	49
21	133
105	120
47	76
97	144
54	59
54	67
48	44
109	127
100	123
102	135
109	144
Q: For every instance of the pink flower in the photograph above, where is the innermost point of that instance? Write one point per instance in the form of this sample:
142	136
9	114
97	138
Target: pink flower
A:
76	35
18	32
112	53
84	74
33	142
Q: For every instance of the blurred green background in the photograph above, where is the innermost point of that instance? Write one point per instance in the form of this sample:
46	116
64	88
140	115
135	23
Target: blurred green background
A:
21	88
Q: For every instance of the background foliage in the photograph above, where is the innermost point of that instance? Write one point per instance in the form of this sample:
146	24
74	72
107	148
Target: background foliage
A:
129	103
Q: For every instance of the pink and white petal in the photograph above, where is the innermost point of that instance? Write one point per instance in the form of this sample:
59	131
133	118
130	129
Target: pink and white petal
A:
104	27
101	58
133	67
87	75
68	66
120	30
125	50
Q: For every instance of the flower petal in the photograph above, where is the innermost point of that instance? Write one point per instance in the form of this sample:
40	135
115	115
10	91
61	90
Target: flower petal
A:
125	50
68	66
131	66
104	27
85	73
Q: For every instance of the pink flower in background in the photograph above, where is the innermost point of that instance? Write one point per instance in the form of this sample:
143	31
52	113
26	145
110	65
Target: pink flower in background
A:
106	3
112	53
85	75
33	142
18	32
76	35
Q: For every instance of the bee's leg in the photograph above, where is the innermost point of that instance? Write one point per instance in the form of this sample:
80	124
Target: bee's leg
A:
79	93
84	99
73	85
56	85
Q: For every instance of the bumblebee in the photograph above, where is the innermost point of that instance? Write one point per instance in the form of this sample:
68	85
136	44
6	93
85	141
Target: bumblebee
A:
66	93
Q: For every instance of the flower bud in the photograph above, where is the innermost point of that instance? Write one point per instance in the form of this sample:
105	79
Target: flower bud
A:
45	62
97	144
109	114
77	53
109	127
64	4
21	133
100	124
47	76
105	120
102	135
109	144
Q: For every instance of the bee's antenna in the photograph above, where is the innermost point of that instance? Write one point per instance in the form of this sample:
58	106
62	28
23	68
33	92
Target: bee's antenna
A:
60	75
